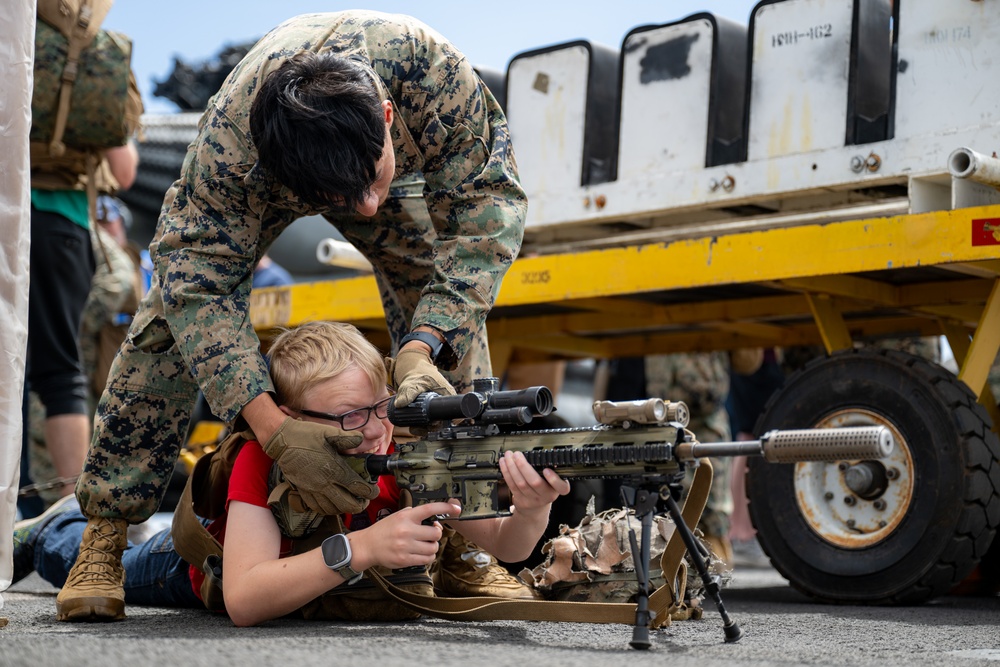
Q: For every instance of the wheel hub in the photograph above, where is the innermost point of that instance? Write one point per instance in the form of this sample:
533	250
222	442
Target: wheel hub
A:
854	504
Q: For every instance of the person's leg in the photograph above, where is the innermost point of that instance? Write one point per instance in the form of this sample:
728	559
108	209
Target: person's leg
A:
740	528
142	419
62	265
63	435
154	574
29	506
141	422
57	546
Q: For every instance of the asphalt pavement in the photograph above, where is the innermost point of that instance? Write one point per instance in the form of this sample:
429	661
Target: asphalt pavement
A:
780	626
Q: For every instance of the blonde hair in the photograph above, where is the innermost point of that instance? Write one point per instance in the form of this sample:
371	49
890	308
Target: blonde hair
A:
315	352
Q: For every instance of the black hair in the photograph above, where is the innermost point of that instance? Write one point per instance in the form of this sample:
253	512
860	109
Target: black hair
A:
319	129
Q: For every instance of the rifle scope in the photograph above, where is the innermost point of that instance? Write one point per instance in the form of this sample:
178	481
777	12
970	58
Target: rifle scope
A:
516	407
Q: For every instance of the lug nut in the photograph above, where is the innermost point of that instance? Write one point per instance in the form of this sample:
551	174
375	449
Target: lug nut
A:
879	504
850	501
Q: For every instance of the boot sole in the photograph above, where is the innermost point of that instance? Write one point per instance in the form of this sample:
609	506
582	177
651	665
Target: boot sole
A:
90	609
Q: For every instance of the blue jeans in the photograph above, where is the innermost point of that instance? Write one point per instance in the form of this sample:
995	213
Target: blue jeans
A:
154	574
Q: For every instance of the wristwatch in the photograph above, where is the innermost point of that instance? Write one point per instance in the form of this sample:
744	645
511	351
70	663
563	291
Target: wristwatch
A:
337	556
430	339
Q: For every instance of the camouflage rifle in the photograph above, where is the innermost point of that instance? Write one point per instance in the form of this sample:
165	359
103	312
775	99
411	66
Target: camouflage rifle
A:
641	442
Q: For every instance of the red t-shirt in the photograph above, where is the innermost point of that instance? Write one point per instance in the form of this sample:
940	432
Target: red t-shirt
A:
248	484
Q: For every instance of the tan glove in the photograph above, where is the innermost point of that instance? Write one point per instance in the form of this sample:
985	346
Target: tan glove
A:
309	456
413	373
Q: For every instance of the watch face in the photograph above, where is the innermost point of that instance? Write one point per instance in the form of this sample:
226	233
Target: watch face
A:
336	551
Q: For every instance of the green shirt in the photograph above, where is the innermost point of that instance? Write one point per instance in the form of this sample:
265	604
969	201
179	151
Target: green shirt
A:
71	204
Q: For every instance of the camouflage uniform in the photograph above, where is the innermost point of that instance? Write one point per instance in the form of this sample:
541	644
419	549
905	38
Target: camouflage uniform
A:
701	380
114	291
193	329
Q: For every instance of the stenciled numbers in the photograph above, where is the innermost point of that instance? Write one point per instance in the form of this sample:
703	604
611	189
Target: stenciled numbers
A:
946	35
790	37
535	277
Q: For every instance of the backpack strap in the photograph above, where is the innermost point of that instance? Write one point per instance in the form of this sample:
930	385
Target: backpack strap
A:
205	493
663	602
198	547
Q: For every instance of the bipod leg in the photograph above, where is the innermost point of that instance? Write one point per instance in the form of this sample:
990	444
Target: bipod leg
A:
729	626
644	502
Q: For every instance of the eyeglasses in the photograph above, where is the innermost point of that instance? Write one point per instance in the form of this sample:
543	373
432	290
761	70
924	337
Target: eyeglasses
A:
354	419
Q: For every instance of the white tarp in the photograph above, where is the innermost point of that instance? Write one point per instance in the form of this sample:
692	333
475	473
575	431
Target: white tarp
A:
17	47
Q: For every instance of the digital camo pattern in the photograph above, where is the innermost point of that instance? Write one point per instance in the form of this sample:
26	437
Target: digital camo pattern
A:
112	291
702	381
193	328
407	225
100	96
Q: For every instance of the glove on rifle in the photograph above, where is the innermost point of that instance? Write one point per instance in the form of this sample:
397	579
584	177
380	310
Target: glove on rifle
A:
413	372
309	456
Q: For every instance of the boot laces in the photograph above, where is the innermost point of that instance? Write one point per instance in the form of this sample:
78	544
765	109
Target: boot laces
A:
101	556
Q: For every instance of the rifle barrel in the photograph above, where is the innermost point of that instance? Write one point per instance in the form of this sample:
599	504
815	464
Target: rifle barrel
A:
800	445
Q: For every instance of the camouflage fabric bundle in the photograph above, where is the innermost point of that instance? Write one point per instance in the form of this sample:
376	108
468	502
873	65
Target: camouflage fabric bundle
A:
593	562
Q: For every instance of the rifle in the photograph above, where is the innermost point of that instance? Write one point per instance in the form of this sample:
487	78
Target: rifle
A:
644	442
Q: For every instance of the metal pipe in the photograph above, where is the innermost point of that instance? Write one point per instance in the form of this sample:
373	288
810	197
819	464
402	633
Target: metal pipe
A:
341	254
967	163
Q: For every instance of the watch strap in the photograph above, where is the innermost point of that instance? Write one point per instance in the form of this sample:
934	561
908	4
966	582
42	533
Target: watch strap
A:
349	575
426	337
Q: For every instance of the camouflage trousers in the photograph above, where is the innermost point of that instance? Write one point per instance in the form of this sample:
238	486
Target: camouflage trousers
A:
144	414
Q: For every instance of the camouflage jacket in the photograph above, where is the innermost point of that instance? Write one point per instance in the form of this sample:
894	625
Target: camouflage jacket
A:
223	213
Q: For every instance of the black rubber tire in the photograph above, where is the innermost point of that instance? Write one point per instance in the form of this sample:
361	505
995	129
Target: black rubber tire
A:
951	514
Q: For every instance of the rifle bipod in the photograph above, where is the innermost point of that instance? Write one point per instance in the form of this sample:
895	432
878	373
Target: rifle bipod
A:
645	500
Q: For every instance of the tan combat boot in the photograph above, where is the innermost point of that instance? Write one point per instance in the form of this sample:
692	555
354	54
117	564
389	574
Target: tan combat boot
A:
462	569
95	588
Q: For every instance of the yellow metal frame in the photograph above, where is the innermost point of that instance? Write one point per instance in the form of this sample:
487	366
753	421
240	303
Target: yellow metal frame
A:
829	284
